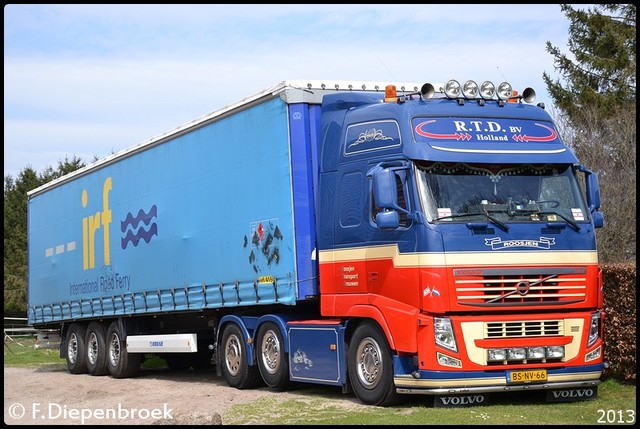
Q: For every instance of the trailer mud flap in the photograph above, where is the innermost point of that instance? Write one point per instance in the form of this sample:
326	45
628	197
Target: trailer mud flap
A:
568	395
457	401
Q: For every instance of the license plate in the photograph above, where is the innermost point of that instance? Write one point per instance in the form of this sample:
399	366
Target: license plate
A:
526	376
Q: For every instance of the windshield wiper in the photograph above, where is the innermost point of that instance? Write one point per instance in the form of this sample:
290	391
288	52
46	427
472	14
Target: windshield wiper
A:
502	225
573	224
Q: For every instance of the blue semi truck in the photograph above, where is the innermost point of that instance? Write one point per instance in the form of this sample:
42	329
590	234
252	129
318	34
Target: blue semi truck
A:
387	239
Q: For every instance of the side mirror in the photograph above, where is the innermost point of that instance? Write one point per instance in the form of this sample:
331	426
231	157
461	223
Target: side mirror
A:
388	219
593	196
385	195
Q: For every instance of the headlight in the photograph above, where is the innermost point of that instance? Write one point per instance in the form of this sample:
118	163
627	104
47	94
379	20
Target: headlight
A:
535	353
594	329
555	352
444	333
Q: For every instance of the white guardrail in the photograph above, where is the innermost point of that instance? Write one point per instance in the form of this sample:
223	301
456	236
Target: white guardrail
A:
18	327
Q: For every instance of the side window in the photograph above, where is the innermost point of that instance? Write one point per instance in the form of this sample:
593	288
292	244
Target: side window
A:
401	188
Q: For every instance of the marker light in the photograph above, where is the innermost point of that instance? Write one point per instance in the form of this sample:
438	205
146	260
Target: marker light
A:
452	89
470	89
390	94
504	91
487	90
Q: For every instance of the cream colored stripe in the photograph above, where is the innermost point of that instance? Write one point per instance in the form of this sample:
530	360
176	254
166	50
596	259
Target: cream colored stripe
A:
494	258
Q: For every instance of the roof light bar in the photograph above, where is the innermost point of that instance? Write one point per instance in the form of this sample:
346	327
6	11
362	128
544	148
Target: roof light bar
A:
472	91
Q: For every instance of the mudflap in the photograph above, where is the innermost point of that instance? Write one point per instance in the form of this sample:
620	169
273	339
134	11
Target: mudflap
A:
570	395
458	401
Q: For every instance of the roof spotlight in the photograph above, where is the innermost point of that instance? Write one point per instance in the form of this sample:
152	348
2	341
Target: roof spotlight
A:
487	90
452	89
470	89
504	91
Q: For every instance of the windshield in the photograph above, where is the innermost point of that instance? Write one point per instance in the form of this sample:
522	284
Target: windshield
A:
458	192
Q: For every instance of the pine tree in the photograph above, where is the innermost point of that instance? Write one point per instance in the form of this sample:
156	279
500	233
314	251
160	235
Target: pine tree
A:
15	229
602	40
597	106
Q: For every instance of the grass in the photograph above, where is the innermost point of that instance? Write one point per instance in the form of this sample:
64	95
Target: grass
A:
21	351
323	405
616	404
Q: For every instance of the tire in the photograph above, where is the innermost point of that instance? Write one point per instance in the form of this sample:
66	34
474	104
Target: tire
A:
120	363
96	347
273	362
76	350
370	366
235	366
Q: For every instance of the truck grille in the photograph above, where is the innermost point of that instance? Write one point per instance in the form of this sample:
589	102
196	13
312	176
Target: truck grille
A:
529	328
496	287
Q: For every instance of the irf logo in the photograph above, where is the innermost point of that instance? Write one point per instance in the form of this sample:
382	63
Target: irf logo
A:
90	226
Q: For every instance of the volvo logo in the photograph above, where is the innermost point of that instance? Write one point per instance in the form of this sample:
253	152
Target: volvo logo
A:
523	288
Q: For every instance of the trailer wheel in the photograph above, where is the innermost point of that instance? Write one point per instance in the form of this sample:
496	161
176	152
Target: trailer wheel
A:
235	366
120	363
370	366
76	350
96	349
272	359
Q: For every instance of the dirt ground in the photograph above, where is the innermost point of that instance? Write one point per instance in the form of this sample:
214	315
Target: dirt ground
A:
155	396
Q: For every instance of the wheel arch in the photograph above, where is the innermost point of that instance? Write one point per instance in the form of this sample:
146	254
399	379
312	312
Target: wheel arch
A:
360	313
247	326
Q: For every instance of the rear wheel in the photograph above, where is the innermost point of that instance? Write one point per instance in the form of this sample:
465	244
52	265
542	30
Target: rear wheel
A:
120	363
96	349
272	360
76	350
235	364
370	366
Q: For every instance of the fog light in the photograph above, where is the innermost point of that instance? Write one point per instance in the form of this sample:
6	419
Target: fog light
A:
595	354
496	355
555	352
535	353
449	361
519	353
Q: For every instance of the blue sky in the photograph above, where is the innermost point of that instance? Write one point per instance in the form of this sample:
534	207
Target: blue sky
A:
89	80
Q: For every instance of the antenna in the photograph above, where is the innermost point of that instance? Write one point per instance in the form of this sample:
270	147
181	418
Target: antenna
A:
503	76
385	66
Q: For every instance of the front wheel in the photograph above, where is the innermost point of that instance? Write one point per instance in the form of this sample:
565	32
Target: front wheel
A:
235	365
370	366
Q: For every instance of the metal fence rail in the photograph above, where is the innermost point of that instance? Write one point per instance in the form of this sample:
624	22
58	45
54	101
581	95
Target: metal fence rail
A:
18	327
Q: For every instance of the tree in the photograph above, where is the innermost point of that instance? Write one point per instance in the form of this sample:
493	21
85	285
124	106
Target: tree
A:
15	229
603	43
597	114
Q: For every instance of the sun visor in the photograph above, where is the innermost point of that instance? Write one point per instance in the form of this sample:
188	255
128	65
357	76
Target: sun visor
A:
498	140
